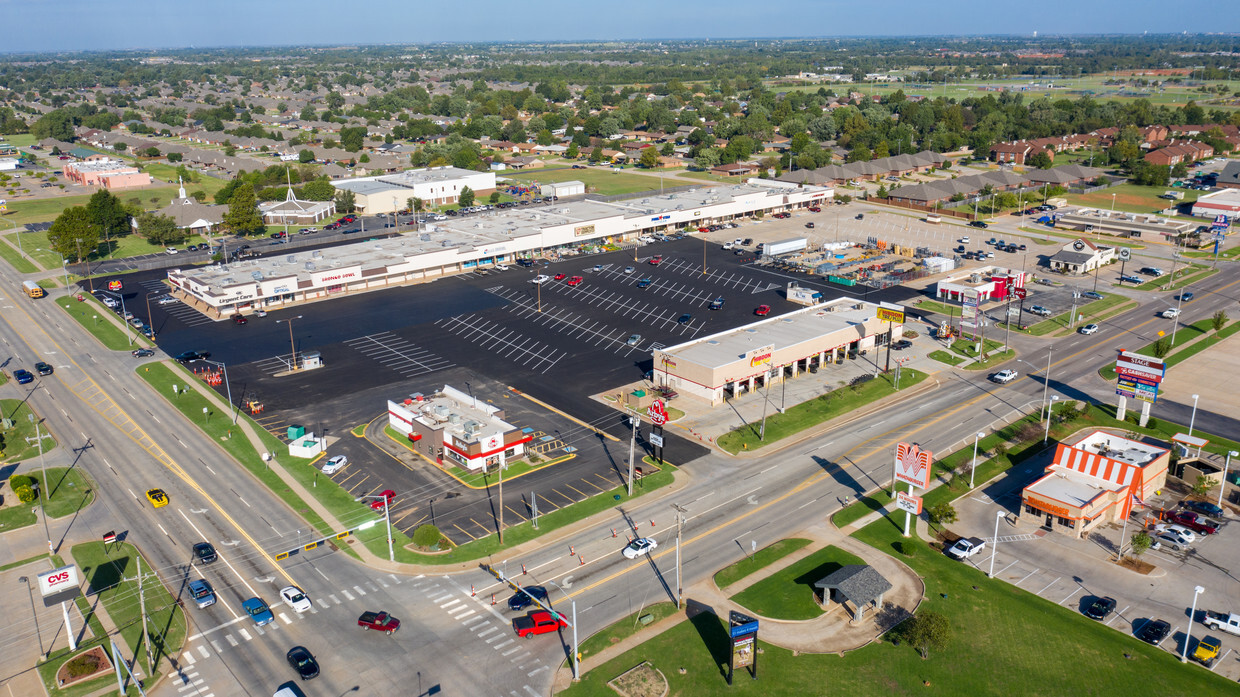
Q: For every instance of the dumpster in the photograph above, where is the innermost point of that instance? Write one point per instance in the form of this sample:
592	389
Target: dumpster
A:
295	432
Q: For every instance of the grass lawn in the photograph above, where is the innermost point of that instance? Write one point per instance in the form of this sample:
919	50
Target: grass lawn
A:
818	410
623	628
1128	197
38	210
111	574
93	316
14	258
788	594
17	448
938	308
708	177
990	347
759	560
596	179
945	357
70	491
1190	351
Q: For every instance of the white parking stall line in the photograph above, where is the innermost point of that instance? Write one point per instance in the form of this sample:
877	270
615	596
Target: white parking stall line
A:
491	628
347	596
458	615
496	638
1049	585
1000	571
1118	615
449	603
1026	577
1076	590
509	652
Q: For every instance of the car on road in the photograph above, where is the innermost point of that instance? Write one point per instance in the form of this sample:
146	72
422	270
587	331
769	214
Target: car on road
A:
1088	329
157	497
639	547
302	661
1170	313
43	368
201	591
656	260
540	279
559	277
538	622
1194	521
23	376
142	353
634	339
204	552
575	281
978	224
717	304
1186	296
1100	608
379	621
1004	376
258	611
295	598
187	356
684	319
1203	507
762	310
387	495
1091	295
525	597
644	282
1154	631
335	464
629	269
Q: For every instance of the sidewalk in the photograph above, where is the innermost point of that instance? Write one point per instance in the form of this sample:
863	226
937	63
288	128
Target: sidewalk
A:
832	632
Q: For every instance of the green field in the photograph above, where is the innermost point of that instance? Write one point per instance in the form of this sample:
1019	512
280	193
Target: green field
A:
16	447
14	258
1131	198
788	594
758	560
93	316
65	491
597	180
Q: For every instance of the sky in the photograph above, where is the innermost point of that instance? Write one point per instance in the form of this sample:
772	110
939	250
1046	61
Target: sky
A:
60	25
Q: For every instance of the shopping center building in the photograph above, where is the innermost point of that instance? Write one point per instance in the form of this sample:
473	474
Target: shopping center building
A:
466	243
1096	480
729	364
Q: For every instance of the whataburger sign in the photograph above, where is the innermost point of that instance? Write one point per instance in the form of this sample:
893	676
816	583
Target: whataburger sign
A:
913	465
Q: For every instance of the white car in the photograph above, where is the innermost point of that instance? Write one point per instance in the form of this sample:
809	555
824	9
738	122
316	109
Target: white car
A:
260	313
1170	313
167	300
1088	329
640	547
629	269
1188	536
335	464
171	250
295	598
963	240
540	279
501	267
728	245
1004	376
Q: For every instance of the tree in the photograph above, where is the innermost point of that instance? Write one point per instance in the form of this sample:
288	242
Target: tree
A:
1217	320
573	151
175	157
1162	347
318	190
427	536
346	201
925	631
56	124
942	514
416	204
74	234
1203	485
353	138
466	198
243	217
494	198
649	158
596	155
305	156
108	214
160	230
859	154
121	146
1040	159
1140	542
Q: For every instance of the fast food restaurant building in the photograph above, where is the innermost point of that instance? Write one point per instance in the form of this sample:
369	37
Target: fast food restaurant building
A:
1094	481
729	364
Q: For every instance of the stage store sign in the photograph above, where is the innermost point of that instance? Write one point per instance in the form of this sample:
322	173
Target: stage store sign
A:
1139	376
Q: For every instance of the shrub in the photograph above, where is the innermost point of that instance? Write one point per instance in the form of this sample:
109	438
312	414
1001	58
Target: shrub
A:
25	494
906	548
20	480
427	536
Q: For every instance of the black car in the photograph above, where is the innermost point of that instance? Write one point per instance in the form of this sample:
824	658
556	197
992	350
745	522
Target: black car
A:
525	597
902	344
1100	608
1203	507
683	319
205	552
979	224
188	356
141	353
303	662
1154	631
43	369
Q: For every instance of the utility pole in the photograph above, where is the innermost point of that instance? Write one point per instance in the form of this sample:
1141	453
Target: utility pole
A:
534	508
146	638
679	522
633	421
501	503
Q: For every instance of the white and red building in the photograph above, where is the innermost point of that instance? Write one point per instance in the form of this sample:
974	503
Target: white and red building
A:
986	283
451	427
1096	480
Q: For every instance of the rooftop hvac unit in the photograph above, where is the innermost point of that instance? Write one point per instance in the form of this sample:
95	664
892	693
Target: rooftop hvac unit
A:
472	428
291	259
454	418
256	275
975	278
424	237
859	306
316	254
309	266
440	412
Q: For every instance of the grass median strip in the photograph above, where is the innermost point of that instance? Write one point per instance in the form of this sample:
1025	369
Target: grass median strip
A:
10	254
758	560
788	594
816	411
96	318
945	357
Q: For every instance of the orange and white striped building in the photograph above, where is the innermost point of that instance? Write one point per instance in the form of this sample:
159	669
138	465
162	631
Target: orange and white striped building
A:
1096	480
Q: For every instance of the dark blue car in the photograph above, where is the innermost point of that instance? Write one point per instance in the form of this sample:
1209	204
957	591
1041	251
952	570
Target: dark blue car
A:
523	599
23	376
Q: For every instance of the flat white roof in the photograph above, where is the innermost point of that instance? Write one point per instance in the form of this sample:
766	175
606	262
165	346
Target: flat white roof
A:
1119	448
1071	487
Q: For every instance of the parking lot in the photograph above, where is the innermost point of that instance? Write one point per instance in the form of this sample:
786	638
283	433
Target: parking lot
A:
1072	573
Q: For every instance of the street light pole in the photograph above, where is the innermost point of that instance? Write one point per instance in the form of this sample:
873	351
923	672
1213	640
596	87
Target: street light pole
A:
994	550
1192	420
576	651
1192	617
227	387
974	467
679	586
42	494
1049	410
1223	484
387	517
1046	378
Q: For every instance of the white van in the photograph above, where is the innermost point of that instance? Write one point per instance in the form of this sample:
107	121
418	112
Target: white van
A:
289	689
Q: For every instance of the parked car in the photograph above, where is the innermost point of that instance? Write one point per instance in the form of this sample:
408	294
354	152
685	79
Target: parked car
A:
1169	539
629	269
1154	631
1203	507
240	319
1185	534
1130	279
634	339
717	304
1193	521
902	344
335	464
656	260
1039	310
644	282
540	279
684	319
1100	608
387	495
1091	295
763	310
575	281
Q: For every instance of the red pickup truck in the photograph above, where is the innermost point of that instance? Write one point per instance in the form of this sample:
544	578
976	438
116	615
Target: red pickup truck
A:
538	622
379	621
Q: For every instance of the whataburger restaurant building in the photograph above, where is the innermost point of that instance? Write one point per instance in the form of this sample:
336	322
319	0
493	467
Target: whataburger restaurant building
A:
464	244
731	363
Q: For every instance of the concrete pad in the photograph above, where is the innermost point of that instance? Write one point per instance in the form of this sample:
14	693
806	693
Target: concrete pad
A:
1214	374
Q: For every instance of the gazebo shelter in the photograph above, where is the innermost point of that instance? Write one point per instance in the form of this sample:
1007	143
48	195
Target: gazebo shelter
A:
855	586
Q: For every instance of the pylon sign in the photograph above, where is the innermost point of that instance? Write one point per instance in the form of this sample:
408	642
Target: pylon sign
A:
913	465
657	413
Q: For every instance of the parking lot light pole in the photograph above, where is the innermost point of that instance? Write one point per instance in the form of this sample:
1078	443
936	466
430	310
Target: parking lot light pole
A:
974	467
387	517
227	387
1188	631
292	346
994	550
1050	409
576	651
1193	419
121	297
1223	484
1046	378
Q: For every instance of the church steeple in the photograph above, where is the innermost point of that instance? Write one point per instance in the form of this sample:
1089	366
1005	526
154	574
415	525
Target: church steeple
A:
181	189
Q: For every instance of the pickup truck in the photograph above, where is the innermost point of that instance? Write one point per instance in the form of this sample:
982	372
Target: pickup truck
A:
379	621
1223	621
537	622
966	547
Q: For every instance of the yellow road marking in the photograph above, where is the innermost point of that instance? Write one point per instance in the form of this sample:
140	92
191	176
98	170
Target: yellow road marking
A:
516	513
463	531
574	419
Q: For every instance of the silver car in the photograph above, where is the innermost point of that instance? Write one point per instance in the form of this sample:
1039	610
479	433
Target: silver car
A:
335	464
